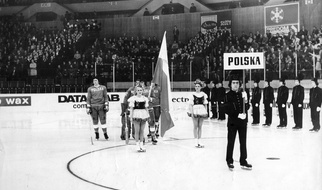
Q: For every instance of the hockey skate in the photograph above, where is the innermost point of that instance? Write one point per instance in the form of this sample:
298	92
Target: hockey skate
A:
153	135
106	136
154	141
246	166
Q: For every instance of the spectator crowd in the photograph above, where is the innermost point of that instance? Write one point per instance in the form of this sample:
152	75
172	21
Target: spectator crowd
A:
78	50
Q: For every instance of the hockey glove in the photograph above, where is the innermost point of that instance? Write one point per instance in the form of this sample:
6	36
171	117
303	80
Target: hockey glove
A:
89	110
106	108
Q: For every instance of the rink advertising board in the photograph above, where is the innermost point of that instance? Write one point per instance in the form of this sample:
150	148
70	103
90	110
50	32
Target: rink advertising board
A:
71	102
215	21
76	103
15	101
239	61
282	18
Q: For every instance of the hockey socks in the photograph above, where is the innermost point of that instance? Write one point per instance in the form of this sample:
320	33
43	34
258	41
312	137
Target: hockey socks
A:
97	135
157	129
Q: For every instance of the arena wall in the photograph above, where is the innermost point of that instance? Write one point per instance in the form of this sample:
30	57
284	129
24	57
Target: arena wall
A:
249	19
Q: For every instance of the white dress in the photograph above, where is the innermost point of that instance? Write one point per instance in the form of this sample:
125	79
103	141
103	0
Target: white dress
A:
139	105
198	100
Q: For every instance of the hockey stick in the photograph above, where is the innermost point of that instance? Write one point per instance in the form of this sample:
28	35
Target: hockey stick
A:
90	128
126	129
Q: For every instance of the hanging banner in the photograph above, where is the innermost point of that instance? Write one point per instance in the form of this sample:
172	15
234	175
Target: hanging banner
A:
216	21
282	18
238	61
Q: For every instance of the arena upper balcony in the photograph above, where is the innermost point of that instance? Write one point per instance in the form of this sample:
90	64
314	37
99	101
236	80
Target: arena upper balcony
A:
27	8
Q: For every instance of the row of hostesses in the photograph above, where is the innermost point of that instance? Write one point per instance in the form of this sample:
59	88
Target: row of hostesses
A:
198	111
139	113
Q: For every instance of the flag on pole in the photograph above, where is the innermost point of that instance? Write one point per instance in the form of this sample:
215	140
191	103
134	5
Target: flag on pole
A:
161	77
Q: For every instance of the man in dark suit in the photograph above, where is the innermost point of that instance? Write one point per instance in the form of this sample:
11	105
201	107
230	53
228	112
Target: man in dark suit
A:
221	91
256	98
146	12
207	90
268	99
282	97
213	100
315	104
175	34
297	102
193	8
236	106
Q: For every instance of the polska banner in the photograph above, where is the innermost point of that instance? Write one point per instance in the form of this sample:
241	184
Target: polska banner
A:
282	18
241	61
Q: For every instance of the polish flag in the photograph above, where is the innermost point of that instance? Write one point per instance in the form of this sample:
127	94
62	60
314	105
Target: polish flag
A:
161	77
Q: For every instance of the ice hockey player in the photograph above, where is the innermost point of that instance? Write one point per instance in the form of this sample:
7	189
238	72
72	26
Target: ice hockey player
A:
154	111
98	106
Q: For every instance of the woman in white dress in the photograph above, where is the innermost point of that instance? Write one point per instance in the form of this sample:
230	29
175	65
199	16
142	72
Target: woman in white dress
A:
198	112
139	115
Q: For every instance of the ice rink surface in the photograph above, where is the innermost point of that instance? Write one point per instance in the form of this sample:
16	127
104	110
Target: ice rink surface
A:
53	151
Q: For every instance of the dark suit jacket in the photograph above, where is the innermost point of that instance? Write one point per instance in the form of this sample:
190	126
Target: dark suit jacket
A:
315	97
233	105
268	95
257	95
221	94
282	95
297	95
